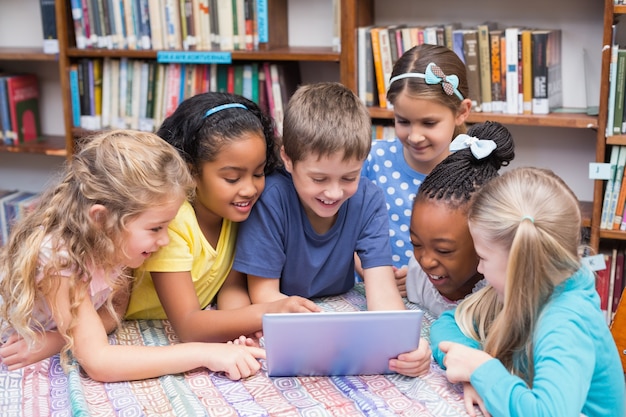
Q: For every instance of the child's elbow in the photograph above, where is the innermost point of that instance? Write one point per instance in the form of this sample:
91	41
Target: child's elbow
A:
100	371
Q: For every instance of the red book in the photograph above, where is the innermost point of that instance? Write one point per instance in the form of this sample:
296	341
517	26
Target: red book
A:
602	283
619	278
23	97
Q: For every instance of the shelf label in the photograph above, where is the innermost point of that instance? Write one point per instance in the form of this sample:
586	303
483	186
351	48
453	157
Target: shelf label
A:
595	263
599	171
195	57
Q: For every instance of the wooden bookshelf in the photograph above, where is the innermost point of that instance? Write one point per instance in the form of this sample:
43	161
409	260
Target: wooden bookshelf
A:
568	120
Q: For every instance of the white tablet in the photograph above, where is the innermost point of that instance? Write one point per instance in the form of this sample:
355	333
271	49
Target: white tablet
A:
338	343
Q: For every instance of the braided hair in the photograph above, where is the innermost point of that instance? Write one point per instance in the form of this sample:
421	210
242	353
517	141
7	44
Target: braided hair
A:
460	175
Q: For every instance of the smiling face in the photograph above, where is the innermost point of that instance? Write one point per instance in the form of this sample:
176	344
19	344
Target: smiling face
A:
443	246
146	233
425	128
323	185
493	260
228	186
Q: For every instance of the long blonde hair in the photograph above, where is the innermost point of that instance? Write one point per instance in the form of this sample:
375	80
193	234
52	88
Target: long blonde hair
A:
127	172
534	215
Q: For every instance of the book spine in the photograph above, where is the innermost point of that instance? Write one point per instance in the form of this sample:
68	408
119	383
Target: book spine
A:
49	27
77	18
470	52
615	149
540	104
618	114
617	185
484	65
378	67
386	62
527	72
23	95
496	76
512	81
9	135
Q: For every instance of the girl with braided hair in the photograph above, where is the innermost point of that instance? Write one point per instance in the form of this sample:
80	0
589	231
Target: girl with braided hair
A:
429	92
65	275
443	270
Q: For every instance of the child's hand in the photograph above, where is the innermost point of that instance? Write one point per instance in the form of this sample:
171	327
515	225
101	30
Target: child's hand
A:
461	361
245	341
235	360
400	276
471	397
293	304
14	352
414	363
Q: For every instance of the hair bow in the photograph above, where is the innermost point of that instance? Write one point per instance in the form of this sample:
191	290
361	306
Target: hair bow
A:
449	83
480	147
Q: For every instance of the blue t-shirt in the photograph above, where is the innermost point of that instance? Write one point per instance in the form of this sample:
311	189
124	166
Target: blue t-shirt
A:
278	241
386	167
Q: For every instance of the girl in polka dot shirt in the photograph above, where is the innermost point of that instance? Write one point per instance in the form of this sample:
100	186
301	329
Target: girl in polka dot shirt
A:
429	93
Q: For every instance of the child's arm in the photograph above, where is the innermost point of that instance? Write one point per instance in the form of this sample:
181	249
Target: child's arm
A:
120	303
193	324
109	363
16	354
446	328
381	289
234	292
263	290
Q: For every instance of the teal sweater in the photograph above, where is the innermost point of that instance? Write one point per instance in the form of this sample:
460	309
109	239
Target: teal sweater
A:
577	366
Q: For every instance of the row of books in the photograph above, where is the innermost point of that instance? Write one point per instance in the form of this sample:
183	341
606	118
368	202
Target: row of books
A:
139	94
13	206
225	25
19	108
613	216
512	70
610	281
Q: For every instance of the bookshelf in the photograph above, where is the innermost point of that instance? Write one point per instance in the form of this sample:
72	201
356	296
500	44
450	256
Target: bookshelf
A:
612	13
354	13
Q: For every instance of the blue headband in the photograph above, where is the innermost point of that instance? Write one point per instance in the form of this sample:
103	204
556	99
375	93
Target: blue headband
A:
434	75
224	107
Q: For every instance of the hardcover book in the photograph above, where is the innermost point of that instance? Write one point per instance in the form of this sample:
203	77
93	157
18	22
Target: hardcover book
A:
23	95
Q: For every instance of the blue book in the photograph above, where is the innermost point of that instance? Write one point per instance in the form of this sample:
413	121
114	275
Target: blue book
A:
262	21
7	132
75	96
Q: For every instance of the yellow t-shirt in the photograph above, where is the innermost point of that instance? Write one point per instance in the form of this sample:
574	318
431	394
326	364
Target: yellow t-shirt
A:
188	250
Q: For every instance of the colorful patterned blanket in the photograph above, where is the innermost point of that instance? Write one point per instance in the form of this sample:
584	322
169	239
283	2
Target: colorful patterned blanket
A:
44	390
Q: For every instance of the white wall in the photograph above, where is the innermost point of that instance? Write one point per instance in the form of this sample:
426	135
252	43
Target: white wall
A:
566	151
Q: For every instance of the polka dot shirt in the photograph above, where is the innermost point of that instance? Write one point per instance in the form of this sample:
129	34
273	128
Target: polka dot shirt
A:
386	167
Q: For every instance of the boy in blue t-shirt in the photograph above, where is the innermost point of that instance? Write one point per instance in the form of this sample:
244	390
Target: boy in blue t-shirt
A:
315	214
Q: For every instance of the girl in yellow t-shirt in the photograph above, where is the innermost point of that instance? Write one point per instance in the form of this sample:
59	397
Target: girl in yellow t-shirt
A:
229	146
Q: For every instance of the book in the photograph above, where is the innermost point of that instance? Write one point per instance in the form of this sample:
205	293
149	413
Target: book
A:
615	150
470	52
225	23
8	133
79	26
49	27
386	61
609	298
621	204
527	71
457	43
364	66
618	282
277	95
484	63
7	212
602	284
620	87
511	35
617	185
546	62
497	92
23	96
378	67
